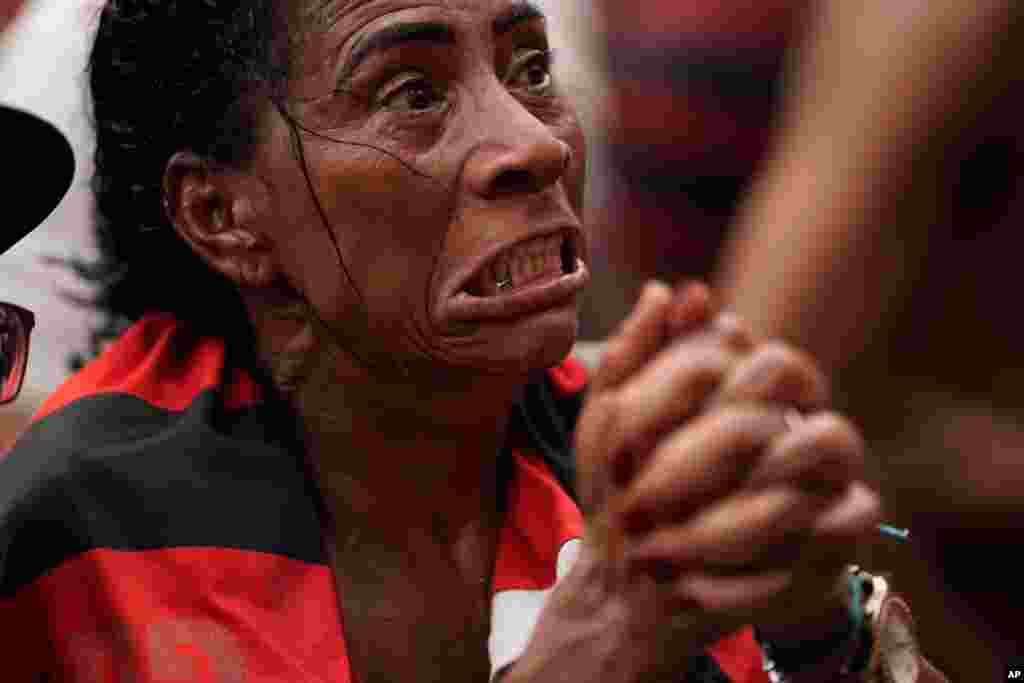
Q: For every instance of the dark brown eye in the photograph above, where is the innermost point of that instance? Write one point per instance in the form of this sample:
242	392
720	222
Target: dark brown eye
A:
532	72
537	76
414	95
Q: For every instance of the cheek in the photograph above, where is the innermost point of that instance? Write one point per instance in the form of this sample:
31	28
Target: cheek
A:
389	225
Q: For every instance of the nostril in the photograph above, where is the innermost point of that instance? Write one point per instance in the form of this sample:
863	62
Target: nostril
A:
568	255
515	181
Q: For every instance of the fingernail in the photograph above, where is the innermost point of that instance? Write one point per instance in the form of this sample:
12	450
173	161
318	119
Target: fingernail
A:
655	289
647	298
692	288
691	306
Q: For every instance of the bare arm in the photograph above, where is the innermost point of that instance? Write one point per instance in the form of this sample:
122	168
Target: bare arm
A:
834	227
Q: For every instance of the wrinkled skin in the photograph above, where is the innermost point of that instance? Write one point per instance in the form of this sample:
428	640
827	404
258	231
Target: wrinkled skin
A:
424	159
702	524
493	158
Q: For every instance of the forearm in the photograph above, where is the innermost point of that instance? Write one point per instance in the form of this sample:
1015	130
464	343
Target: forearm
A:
882	86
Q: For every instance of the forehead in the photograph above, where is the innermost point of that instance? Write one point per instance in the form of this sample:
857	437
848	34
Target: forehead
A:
354	14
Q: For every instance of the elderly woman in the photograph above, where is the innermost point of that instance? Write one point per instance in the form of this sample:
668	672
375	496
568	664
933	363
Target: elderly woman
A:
337	441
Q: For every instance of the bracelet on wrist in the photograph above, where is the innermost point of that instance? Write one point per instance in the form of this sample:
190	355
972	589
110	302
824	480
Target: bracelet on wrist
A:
852	639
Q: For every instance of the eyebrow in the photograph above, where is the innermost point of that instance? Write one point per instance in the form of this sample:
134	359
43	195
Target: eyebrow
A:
521	11
398	34
393	36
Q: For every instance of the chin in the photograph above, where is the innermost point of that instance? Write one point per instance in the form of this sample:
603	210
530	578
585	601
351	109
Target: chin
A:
522	346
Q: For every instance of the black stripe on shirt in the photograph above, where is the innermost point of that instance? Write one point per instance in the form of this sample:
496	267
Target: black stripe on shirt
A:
113	471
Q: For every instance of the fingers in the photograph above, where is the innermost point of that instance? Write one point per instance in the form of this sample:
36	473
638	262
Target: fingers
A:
625	420
715	593
639	337
692	307
697	463
749	563
850	521
766	526
761	530
658	316
671	387
740	488
775	372
824	451
707	369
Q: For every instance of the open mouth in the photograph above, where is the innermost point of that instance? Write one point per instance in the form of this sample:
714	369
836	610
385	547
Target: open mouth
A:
521	265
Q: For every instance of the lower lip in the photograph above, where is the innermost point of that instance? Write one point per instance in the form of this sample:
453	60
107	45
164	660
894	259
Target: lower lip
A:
532	298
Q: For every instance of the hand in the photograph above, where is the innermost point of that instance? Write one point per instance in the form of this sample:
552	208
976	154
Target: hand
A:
707	508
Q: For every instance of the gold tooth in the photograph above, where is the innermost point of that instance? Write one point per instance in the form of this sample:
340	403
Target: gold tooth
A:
499	271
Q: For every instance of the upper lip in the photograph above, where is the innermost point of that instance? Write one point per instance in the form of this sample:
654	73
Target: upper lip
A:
472	268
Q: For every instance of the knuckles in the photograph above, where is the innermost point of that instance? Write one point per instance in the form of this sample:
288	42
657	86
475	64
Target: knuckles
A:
776	371
834	435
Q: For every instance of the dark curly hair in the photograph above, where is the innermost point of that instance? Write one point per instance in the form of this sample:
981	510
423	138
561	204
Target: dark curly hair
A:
164	76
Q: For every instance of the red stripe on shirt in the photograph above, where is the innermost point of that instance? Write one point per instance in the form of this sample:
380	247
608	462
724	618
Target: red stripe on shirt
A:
159	361
569	376
179	614
541	518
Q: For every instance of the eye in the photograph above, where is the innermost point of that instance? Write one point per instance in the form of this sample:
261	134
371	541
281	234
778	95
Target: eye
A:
531	71
412	94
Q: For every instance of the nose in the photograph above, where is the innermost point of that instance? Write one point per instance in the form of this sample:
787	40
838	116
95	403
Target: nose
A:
517	154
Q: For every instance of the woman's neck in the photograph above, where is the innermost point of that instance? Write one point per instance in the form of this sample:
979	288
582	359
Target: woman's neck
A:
378	465
385	445
387	441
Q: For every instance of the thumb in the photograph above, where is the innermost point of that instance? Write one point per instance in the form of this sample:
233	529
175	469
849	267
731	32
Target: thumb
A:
659	317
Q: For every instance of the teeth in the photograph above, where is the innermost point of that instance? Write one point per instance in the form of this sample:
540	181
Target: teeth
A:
524	263
500	270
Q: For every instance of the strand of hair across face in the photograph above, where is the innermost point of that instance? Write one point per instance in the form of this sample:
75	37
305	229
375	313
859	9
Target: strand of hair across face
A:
293	131
294	126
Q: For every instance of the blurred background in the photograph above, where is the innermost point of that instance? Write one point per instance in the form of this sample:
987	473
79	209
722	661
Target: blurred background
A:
678	122
42	61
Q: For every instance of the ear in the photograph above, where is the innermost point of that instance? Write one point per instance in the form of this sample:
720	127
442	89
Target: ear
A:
213	208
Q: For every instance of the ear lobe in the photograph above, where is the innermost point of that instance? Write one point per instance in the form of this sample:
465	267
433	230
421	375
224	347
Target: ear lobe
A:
209	209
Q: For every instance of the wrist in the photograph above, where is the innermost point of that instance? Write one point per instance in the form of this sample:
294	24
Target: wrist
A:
842	644
808	624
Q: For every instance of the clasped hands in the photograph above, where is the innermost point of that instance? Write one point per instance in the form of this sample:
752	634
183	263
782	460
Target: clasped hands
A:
718	492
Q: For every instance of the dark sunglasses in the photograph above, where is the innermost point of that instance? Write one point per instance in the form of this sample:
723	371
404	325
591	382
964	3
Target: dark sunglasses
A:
16	325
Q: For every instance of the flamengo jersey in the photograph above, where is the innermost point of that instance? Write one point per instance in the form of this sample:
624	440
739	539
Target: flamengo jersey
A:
156	527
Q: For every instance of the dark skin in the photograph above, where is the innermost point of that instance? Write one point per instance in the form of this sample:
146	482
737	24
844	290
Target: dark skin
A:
864	242
460	147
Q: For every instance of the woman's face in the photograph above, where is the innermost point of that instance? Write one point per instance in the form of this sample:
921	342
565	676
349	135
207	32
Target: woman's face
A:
449	169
